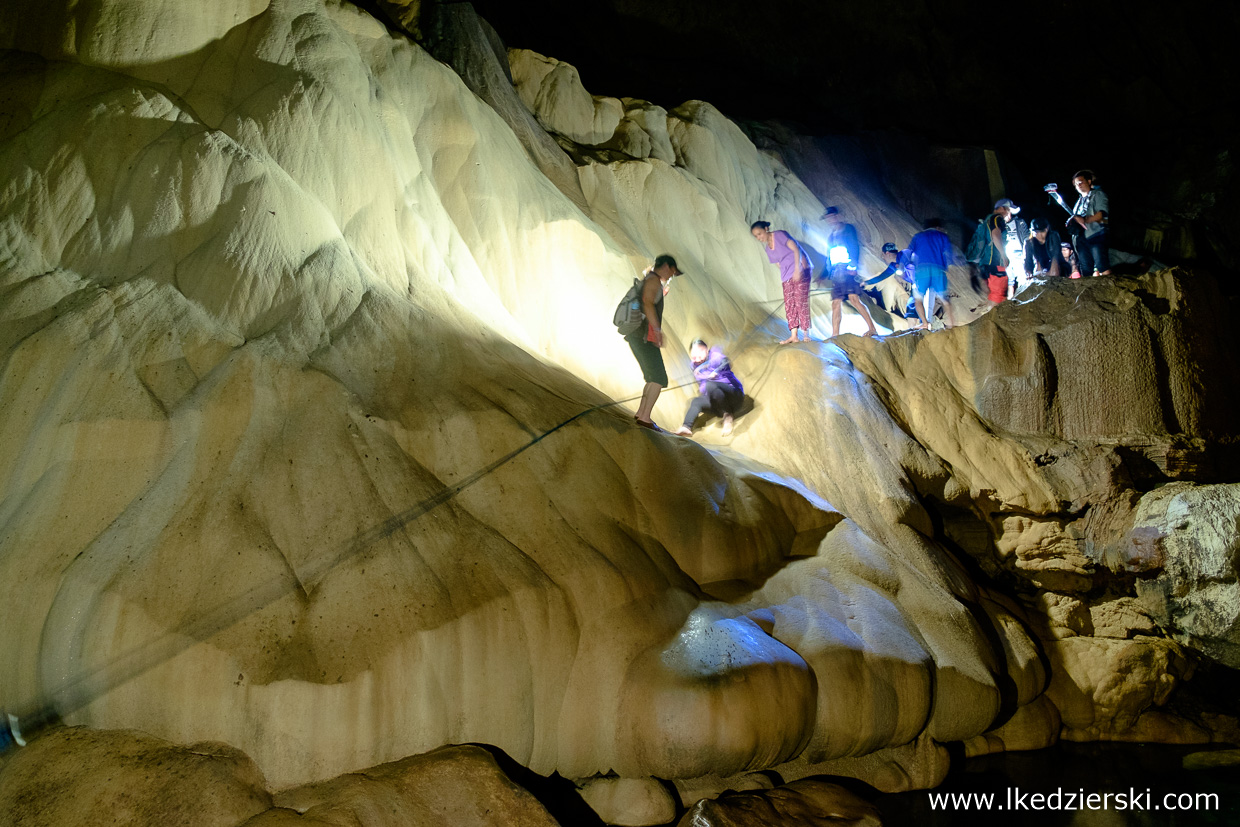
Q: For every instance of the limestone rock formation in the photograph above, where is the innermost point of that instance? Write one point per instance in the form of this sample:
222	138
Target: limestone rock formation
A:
553	91
294	355
1193	531
310	441
79	776
629	801
463	40
693	790
1102	687
449	786
1034	726
799	804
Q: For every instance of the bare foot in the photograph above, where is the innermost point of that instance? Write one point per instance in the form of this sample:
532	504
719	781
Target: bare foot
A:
790	340
727	424
683	431
870	333
923	326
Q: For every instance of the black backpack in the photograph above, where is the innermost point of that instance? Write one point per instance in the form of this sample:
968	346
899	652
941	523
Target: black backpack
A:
629	316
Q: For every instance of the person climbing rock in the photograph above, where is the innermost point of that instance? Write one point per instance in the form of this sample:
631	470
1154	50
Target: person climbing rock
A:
932	255
794	273
1042	250
1090	214
889	289
647	339
845	253
720	391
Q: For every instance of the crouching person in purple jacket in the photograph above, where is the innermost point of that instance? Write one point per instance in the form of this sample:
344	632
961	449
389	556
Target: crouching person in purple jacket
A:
721	391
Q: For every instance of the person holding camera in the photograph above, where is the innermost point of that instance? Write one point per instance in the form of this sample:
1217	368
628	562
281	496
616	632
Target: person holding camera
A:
1090	214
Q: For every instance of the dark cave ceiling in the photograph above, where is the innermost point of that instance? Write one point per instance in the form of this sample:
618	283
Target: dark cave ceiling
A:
953	68
1140	91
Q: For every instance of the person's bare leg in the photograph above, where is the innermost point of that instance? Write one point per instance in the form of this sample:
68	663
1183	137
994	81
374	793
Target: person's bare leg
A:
792	336
927	312
918	300
855	301
650	394
948	315
837	311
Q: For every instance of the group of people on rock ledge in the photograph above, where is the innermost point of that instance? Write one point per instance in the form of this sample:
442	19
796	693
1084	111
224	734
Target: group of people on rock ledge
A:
1003	248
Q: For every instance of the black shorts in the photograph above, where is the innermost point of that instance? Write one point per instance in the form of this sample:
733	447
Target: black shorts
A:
844	283
649	357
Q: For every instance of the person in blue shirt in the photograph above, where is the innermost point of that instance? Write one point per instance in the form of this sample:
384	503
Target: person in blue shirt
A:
932	255
890	289
844	254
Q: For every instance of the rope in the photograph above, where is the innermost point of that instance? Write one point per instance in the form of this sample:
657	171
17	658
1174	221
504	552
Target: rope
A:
77	692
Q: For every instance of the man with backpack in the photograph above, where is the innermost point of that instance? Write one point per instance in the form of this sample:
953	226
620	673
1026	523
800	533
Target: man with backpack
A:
986	250
644	331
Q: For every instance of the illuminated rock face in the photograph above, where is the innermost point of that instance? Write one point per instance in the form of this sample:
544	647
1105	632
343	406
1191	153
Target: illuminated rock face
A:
273	287
237	346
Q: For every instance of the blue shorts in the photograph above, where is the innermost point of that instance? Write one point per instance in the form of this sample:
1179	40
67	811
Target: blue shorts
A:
930	277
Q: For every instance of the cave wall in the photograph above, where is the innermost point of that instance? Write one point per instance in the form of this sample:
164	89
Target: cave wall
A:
276	283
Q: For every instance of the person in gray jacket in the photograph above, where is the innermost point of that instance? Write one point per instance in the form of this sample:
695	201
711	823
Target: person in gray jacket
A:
1090	213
